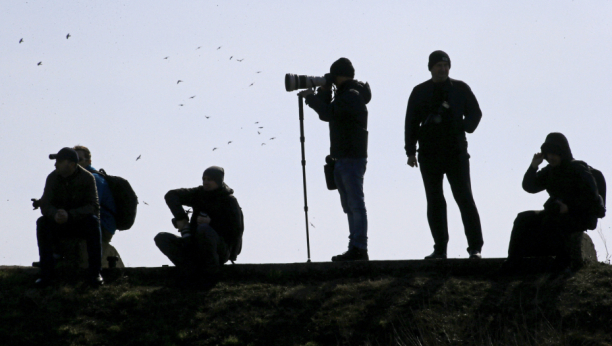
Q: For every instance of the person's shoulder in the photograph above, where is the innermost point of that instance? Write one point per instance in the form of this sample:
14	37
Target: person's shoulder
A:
422	86
456	83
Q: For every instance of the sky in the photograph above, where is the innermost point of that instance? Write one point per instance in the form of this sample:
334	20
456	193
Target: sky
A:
535	67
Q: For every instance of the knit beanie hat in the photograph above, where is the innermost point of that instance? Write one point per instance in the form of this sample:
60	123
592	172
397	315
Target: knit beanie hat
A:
216	173
436	57
342	67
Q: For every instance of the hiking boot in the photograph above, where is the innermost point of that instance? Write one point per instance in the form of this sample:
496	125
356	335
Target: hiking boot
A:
353	254
436	255
475	254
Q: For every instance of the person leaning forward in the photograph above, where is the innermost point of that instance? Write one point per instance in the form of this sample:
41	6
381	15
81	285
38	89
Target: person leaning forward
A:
212	236
347	116
70	209
573	204
440	112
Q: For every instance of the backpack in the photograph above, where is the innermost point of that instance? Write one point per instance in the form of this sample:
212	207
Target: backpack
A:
125	198
600	211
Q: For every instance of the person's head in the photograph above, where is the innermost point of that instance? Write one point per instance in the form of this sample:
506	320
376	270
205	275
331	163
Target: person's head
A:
439	65
342	70
84	155
66	161
556	149
212	178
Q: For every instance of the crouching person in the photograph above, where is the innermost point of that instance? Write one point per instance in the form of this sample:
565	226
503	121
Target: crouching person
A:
70	209
573	204
212	236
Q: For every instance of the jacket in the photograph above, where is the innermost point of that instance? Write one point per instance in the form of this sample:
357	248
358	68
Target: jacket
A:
220	204
347	116
464	111
570	182
76	194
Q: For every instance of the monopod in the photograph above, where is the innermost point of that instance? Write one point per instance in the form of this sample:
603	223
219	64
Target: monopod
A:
302	140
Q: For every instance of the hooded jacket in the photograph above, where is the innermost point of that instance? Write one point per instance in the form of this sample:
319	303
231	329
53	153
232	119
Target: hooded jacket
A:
347	116
463	110
220	204
570	182
76	194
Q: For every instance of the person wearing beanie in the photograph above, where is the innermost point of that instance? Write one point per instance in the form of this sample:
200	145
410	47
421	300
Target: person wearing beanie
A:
440	111
573	206
70	209
347	115
211	237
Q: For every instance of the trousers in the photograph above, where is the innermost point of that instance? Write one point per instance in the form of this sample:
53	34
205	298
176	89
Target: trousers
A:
457	170
348	175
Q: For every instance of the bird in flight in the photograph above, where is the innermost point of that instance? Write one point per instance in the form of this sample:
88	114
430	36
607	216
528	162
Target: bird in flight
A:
199	47
145	202
21	40
214	149
39	63
219	47
231	57
229	142
180	104
166	57
251	84
239	60
258	71
261	127
258	133
263	143
138	158
178	81
257	122
313	226
206	116
68	36
192	96
272	138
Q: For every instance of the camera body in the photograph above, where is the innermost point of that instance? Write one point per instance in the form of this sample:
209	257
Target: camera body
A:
295	82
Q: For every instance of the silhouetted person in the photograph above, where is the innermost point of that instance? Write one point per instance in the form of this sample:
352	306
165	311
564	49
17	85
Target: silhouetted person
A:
347	116
70	210
212	236
440	112
572	206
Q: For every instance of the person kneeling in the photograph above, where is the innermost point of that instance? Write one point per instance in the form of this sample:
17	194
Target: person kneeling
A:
212	236
573	205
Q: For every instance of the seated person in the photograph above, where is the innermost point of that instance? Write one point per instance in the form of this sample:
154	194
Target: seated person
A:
70	209
568	212
214	234
107	208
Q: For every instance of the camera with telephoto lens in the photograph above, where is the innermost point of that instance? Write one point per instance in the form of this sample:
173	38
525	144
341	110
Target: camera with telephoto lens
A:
295	82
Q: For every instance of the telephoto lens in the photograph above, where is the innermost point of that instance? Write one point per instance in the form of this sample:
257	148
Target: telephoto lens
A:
295	82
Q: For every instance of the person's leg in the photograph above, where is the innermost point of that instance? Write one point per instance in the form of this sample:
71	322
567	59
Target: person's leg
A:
172	246
458	175
526	236
212	250
433	175
89	227
44	235
351	173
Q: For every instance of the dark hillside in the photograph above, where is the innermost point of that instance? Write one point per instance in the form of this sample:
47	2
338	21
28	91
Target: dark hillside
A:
454	302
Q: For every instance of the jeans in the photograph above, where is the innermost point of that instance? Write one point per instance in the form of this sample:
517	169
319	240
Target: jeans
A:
457	170
204	253
348	175
49	232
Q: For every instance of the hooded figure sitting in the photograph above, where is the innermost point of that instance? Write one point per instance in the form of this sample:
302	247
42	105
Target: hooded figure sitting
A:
212	236
568	212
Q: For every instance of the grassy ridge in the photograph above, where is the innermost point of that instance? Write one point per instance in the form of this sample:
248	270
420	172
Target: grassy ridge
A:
415	308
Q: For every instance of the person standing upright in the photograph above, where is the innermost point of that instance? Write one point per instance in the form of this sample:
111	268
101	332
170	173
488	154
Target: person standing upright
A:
347	116
440	111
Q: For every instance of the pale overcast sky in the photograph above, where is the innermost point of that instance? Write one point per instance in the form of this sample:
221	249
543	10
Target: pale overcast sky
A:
534	66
